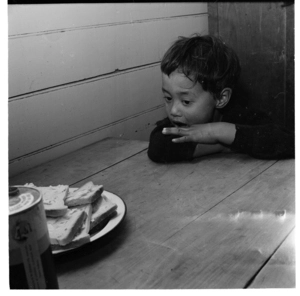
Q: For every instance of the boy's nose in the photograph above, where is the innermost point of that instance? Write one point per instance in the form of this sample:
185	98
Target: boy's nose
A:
175	110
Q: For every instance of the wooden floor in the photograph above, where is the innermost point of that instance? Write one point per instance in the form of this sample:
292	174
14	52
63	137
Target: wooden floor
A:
222	221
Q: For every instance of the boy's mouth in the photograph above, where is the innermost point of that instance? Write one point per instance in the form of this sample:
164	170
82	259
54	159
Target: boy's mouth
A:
179	124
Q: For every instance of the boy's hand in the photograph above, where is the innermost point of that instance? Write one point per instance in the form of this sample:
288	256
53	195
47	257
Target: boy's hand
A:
209	133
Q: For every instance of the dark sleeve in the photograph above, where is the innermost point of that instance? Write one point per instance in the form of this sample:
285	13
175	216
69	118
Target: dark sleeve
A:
162	149
269	141
258	136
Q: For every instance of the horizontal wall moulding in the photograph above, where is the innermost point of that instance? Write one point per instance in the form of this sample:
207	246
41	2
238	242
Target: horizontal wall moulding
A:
111	124
104	25
117	72
47	61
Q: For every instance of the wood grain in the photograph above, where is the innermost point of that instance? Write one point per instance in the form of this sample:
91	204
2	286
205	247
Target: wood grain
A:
177	237
80	164
257	31
178	218
290	68
280	270
210	223
213	20
237	236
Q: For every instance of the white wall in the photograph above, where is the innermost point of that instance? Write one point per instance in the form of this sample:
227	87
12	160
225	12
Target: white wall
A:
81	72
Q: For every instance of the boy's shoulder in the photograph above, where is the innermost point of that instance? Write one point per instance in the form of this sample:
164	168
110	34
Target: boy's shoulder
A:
243	114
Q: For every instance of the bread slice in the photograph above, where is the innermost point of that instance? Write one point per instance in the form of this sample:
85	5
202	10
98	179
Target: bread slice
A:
62	230
82	236
86	194
53	199
102	209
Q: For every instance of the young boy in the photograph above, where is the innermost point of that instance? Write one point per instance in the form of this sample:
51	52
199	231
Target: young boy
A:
198	78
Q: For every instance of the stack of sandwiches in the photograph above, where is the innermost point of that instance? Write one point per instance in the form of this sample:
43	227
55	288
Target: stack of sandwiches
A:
74	213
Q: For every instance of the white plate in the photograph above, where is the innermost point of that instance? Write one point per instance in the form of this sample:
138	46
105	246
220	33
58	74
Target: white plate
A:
113	222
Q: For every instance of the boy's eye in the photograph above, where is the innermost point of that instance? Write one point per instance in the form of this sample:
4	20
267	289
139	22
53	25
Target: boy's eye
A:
168	99
185	102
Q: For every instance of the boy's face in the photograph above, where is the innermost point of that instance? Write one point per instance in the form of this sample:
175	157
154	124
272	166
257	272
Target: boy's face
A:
186	102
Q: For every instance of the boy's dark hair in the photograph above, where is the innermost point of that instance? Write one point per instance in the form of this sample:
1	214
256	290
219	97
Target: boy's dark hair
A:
204	59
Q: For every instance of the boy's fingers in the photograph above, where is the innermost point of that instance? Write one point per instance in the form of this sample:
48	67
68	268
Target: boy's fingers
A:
174	131
181	139
171	130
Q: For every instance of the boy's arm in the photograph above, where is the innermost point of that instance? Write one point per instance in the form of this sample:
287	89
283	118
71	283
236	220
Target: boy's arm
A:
162	149
206	149
267	141
209	133
270	141
210	138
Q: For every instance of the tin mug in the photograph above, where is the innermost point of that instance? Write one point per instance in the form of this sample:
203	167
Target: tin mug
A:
31	264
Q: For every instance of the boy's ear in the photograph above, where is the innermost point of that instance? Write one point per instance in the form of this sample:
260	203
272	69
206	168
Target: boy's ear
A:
224	98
